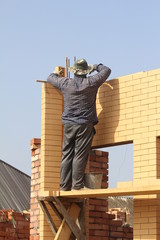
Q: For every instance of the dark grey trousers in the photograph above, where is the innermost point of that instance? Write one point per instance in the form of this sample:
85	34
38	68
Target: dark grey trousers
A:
77	140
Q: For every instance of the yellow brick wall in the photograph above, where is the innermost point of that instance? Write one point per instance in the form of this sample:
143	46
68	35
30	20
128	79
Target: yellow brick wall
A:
129	113
51	137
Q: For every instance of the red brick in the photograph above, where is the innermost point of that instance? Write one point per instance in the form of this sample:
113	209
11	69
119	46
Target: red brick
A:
98	202
37	151
36	212
93	169
101	159
35	141
104	185
37	175
37	163
37	187
34	206
116	234
32	165
98	208
35	224
99	238
98	152
99	220
99	233
35	170
99	226
33	231
33	219
34	237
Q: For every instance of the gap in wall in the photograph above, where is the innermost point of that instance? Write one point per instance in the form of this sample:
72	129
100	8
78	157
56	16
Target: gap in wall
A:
120	163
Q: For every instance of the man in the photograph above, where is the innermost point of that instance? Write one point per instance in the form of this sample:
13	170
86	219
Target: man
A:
79	118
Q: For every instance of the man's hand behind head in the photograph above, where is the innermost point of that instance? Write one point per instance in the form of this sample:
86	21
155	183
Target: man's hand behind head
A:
59	71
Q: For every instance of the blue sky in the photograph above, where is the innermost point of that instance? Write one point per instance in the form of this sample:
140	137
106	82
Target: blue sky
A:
38	35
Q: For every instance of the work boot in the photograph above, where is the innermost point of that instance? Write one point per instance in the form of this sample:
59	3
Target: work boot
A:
83	188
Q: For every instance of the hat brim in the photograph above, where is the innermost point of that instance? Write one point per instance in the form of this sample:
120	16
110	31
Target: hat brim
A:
80	71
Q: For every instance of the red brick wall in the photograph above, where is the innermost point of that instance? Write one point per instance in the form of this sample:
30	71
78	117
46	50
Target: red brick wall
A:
35	187
103	225
98	225
14	225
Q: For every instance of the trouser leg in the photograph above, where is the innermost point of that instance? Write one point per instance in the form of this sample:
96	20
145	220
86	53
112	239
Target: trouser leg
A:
67	158
83	142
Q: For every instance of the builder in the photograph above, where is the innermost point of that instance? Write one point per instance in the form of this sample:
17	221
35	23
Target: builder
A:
79	118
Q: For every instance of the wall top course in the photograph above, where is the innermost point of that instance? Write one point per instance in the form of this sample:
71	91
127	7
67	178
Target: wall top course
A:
36	141
141	74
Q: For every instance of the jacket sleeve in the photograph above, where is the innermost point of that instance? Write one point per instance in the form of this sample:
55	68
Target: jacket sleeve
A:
54	80
101	76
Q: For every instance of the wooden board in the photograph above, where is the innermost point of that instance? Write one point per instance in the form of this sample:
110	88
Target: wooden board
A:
128	189
64	232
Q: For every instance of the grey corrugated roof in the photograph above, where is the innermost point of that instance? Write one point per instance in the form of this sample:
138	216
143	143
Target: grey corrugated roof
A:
14	188
122	202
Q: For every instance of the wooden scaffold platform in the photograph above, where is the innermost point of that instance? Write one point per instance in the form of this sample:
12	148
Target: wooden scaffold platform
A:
70	228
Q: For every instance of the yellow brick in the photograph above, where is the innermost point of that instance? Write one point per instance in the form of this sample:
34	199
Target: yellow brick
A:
144	84
49	180
148	169
54	174
140	220
140	97
153	174
136	92
55	121
141	175
144	102
137	125
49	185
51	101
136	106
140	75
125	79
50	106
54	134
148	225
130	105
149	237
51	93
137	170
48	141
152	231
143	231
152	161
136	235
53	152
154	72
152	151
152	117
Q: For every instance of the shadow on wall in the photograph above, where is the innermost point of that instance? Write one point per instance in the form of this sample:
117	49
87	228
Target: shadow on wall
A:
108	111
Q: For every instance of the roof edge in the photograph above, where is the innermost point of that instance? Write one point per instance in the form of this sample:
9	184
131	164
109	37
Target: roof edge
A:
15	168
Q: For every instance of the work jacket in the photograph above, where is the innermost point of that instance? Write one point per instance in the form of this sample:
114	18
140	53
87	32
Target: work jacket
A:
80	95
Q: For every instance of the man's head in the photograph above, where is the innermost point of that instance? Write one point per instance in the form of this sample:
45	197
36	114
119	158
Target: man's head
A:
81	67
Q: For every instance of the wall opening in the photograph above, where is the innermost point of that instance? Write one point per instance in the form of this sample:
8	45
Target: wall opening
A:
120	163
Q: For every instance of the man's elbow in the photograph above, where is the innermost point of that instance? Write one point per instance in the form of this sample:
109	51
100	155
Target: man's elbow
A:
51	78
108	72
